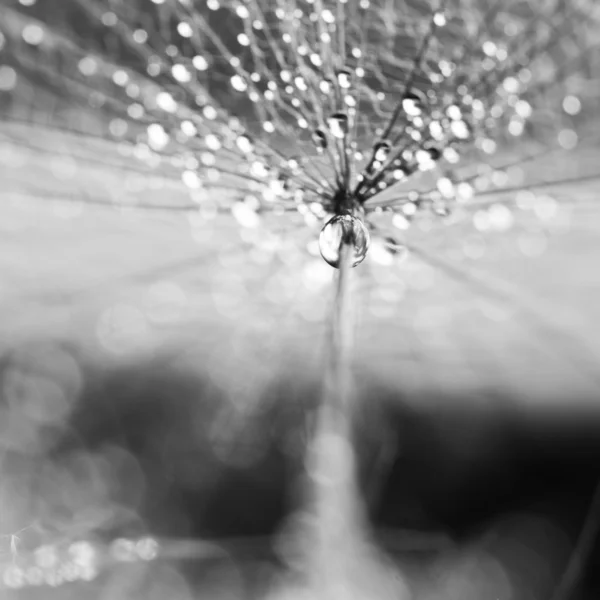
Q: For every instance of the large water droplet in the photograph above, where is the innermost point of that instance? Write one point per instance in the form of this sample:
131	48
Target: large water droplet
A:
340	230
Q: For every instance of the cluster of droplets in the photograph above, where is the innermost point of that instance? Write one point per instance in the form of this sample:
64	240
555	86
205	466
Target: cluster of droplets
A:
52	566
79	561
312	107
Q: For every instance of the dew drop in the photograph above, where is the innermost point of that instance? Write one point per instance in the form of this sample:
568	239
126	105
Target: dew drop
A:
439	19
434	153
413	104
185	29
33	34
344	78
382	150
344	229
238	83
325	86
571	105
200	63
445	187
338	125
245	215
401	222
244	143
320	140
424	159
181	73
460	130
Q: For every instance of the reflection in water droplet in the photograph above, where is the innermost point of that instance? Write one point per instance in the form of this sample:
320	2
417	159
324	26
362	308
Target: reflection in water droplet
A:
344	229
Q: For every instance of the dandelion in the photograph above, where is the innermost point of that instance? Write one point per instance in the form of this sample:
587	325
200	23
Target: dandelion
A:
378	128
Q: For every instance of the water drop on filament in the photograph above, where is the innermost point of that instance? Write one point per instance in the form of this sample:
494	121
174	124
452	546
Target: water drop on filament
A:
340	230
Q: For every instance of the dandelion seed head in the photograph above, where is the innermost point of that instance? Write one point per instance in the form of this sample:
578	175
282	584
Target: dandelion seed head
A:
401	99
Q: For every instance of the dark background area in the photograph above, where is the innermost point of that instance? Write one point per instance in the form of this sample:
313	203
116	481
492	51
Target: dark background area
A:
185	461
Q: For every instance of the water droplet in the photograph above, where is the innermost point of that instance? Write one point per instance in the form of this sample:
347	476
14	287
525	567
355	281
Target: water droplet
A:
413	103
244	143
338	124
434	153
200	63
245	215
425	159
325	86
401	222
82	553
439	19
344	77
382	150
181	73
185	29
571	105
166	102
33	34
445	187
568	139
147	548
460	130
238	83
454	112
344	229
320	140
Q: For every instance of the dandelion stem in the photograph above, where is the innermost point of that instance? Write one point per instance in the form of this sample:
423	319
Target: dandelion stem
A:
331	458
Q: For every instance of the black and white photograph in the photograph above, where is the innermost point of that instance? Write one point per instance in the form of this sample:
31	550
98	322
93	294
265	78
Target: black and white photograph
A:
299	300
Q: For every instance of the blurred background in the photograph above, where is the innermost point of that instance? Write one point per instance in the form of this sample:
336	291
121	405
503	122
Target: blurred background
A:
165	324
